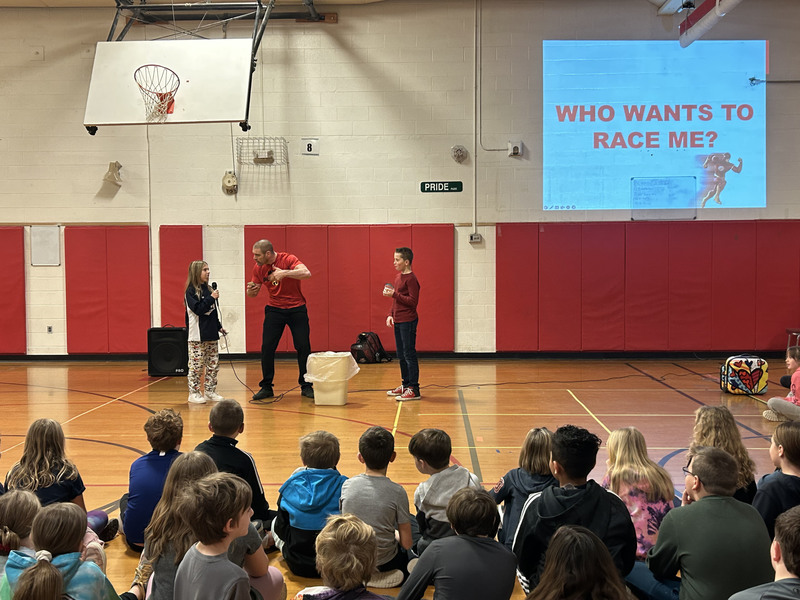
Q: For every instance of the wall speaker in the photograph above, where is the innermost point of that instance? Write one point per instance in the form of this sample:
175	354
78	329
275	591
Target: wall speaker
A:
167	352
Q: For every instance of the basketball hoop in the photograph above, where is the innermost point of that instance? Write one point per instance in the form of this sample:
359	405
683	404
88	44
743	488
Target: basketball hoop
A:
158	86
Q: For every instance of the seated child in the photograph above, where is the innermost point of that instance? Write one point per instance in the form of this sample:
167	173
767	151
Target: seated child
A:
306	500
57	532
146	480
533	475
431	450
226	421
18	508
382	504
346	549
220	506
471	564
788	408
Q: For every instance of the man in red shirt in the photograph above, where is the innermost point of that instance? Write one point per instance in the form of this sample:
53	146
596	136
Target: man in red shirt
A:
281	274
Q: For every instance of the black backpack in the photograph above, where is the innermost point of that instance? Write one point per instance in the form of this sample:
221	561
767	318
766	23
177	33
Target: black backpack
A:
368	349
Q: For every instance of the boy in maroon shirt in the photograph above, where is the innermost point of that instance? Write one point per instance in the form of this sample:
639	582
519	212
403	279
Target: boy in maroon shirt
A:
404	319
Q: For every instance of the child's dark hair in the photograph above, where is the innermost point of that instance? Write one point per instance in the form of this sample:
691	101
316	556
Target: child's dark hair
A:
431	445
575	449
57	529
212	502
793	352
18	509
578	564
405	254
320	450
473	512
164	430
226	417
346	549
787	534
376	446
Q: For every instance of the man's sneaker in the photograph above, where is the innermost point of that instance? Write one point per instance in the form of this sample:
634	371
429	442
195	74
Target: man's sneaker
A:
396	391
214	396
389	579
109	531
263	393
195	398
307	392
408	394
771	415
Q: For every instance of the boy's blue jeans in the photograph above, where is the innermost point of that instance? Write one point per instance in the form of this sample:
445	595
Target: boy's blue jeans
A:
405	338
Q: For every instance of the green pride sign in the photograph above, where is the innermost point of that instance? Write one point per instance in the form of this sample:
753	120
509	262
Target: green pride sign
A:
428	187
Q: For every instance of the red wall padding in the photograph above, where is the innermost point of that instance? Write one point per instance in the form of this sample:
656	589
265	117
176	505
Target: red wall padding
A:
128	255
179	246
350	294
602	286
776	279
12	318
649	286
517	287
434	251
349	265
107	273
733	294
560	286
690	305
86	280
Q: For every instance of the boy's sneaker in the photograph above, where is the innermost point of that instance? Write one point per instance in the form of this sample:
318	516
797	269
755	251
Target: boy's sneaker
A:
396	391
389	579
214	396
109	531
408	394
195	398
411	564
771	415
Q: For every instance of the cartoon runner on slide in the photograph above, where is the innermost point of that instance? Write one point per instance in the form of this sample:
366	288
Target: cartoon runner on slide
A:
719	165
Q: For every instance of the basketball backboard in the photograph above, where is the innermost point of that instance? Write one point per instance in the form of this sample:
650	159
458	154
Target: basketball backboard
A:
214	81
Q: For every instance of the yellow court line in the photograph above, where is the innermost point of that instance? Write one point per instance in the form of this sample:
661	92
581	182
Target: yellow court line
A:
95	408
591	414
396	418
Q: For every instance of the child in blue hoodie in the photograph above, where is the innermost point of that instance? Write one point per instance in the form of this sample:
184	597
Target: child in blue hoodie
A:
306	500
57	531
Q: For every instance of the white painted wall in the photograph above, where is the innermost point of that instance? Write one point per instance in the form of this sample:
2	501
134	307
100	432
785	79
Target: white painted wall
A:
388	91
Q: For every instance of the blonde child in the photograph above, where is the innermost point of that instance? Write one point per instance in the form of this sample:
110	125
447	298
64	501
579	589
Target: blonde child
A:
56	571
18	508
644	486
346	549
532	475
715	426
45	470
203	326
787	409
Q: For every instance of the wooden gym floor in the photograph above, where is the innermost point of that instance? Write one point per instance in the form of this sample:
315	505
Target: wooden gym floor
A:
486	406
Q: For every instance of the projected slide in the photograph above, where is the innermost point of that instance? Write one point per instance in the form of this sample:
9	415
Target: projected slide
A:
649	125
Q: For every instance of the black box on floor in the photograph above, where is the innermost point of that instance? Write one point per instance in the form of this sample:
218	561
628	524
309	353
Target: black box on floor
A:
167	352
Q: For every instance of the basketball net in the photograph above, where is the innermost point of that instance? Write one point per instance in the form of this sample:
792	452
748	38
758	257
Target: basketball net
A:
158	86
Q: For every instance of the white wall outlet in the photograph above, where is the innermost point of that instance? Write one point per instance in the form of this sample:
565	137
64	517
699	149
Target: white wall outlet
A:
515	148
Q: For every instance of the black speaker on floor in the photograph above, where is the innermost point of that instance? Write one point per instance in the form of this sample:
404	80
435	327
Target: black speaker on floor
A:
167	352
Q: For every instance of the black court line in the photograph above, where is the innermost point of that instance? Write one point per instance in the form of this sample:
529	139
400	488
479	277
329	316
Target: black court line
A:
742	425
473	452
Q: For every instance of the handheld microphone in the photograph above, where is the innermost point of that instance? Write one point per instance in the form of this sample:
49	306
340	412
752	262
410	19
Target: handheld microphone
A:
213	285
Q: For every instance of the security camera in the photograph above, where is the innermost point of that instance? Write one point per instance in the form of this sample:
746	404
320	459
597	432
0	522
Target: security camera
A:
687	4
230	185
